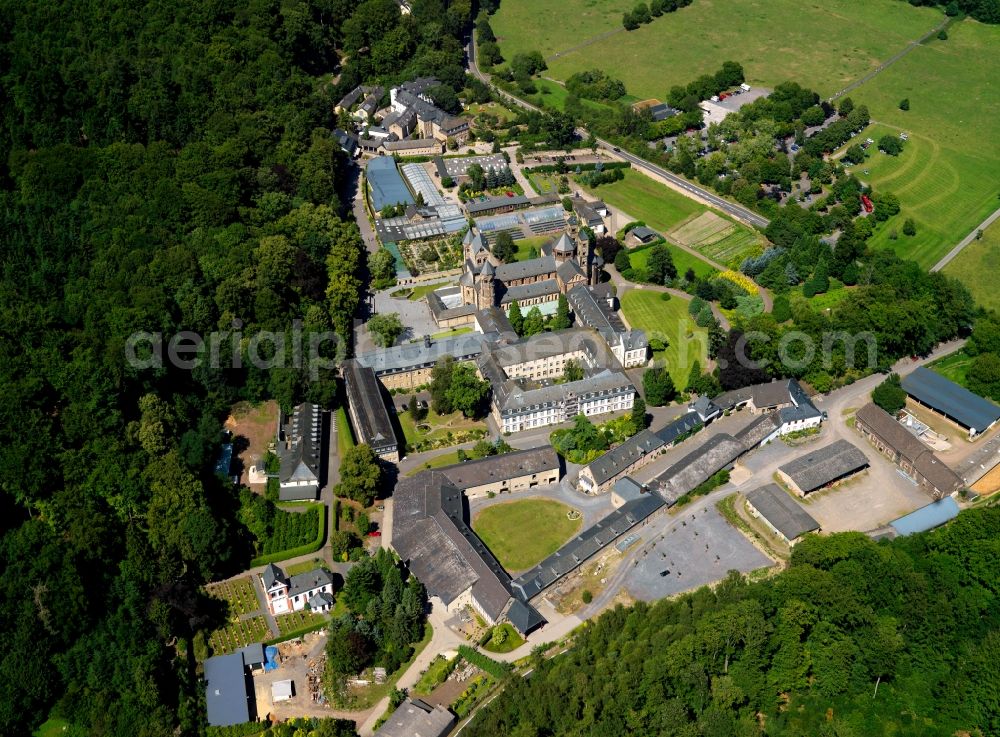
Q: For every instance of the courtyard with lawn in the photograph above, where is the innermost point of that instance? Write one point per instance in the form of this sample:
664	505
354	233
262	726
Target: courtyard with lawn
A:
439	431
669	321
825	46
522	533
947	177
977	266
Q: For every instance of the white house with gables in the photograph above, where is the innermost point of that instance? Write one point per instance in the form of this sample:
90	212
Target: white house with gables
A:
284	594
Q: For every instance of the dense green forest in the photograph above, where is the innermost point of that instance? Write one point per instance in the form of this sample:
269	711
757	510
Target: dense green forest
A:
801	654
164	166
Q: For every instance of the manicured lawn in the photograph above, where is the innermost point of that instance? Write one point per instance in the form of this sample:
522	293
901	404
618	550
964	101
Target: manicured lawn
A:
522	533
954	366
304	566
823	45
491	108
526	244
345	438
948	176
682	260
422	290
435	428
513	641
645	199
451	333
445	459
833	296
669	320
978	266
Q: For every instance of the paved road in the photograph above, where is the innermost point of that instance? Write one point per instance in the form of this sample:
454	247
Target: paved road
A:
890	61
360	214
966	241
692	190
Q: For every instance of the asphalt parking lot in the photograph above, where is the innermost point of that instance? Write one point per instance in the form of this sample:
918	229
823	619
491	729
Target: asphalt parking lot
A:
696	551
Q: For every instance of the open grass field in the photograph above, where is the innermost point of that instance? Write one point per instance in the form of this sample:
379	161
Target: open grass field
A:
522	533
445	459
948	176
645	199
819	302
823	45
682	260
978	266
954	366
686	342
719	239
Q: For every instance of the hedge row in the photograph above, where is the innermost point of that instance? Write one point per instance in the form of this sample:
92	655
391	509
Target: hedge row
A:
310	547
494	667
291	529
571	167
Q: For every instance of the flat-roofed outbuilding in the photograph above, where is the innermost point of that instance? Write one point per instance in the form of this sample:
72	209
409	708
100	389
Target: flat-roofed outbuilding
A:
823	467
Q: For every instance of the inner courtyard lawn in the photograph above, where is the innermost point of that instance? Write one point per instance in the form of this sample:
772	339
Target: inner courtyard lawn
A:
522	533
668	320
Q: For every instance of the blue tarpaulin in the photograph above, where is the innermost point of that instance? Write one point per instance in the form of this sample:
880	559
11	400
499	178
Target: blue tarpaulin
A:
271	658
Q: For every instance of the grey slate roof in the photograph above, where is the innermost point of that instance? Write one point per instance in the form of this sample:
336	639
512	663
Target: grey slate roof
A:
534	290
411	356
411	143
698	466
273	574
683	424
319	600
585	545
494	320
416	718
253	655
569	269
760	428
507	465
618	459
783	512
226	696
299	446
825	465
968	409
523	617
526	269
302	583
881	423
628	488
430	533
365	396
643	233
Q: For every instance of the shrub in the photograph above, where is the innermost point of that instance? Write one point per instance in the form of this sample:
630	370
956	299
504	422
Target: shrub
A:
586	596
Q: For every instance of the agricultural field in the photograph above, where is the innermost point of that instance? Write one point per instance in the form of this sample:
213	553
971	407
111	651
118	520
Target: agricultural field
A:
521	534
822	45
978	265
948	176
682	260
642	198
669	319
719	239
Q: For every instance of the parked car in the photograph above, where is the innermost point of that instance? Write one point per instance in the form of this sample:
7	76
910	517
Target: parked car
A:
375	533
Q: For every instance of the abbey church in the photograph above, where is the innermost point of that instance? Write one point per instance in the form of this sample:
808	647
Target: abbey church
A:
563	264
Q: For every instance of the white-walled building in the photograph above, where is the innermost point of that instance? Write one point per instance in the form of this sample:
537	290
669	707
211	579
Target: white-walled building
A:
286	594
